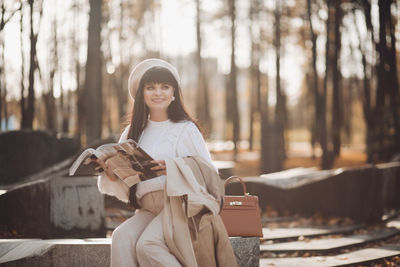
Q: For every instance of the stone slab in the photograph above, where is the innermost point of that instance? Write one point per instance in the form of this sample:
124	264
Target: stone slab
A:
92	252
76	203
7	245
390	175
356	193
355	257
247	250
59	252
225	168
290	233
54	207
328	244
294	177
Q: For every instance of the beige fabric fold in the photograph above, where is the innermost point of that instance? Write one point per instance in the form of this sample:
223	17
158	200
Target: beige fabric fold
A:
193	230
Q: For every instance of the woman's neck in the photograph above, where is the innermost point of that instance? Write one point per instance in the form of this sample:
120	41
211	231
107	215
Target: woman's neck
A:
158	116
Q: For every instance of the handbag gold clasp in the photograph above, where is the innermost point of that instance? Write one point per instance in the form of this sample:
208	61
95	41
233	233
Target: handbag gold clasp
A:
235	203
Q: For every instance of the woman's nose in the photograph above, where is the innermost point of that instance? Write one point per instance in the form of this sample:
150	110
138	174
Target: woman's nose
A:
157	89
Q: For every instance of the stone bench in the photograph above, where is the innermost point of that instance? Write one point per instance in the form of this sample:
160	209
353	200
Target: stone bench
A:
362	193
92	252
54	207
225	168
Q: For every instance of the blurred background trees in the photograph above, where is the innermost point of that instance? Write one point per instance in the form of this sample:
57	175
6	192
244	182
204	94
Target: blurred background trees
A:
264	75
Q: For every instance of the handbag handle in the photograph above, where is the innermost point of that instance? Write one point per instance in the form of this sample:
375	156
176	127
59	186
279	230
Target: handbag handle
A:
240	180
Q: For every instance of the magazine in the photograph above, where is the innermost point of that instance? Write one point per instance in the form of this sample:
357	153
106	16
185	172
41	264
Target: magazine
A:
126	160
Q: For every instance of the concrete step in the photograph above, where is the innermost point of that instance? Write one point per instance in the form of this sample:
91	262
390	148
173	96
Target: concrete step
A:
330	243
91	252
352	258
276	234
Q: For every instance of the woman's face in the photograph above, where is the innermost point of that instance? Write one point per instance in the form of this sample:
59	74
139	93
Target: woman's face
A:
158	96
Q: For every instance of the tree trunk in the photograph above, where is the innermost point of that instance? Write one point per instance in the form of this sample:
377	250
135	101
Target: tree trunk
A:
48	98
367	101
80	107
367	109
393	74
315	130
202	102
199	97
65	110
228	129
1	106
93	75
268	158
252	75
280	107
255	78
5	108
2	68
29	110
327	157
122	71
232	78
337	94
382	79
22	101
3	84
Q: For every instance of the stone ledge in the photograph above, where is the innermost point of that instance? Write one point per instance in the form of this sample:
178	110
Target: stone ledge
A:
362	194
92	252
55	207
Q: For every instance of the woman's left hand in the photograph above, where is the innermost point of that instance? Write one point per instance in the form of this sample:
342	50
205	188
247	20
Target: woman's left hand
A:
160	168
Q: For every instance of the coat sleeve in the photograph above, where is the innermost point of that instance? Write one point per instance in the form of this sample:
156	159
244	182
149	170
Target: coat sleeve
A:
115	188
191	143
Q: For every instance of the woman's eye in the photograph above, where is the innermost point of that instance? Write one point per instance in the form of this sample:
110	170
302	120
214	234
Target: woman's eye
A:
149	88
165	87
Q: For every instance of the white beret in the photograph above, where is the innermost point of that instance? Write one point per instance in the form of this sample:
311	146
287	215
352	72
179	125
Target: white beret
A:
142	67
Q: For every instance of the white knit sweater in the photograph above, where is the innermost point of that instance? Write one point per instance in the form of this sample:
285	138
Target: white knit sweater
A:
161	140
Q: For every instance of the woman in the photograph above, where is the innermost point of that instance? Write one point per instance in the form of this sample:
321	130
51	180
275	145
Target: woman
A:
163	128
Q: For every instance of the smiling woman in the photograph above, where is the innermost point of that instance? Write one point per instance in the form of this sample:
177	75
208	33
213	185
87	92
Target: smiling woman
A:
163	128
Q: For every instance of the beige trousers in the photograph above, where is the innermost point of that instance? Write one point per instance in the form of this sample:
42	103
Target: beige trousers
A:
139	241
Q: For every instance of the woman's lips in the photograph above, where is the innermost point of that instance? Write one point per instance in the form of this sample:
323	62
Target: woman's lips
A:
158	100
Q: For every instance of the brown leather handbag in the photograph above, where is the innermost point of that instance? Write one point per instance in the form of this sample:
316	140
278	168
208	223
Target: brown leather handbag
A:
241	214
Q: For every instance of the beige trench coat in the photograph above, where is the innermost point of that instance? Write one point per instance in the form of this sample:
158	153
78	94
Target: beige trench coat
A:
193	230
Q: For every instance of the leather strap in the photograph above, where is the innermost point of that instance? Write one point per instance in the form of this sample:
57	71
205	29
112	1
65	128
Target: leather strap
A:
240	180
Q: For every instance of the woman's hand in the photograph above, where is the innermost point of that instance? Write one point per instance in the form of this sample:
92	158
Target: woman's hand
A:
160	168
110	175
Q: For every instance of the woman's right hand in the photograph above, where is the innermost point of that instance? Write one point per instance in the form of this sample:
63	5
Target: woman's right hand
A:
160	168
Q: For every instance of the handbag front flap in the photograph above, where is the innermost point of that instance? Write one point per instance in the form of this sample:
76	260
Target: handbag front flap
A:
240	202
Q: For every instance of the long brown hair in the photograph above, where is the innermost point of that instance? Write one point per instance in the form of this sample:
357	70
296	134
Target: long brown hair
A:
176	110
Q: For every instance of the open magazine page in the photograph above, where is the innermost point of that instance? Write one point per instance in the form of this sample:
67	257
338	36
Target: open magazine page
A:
126	160
106	151
138	159
84	165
